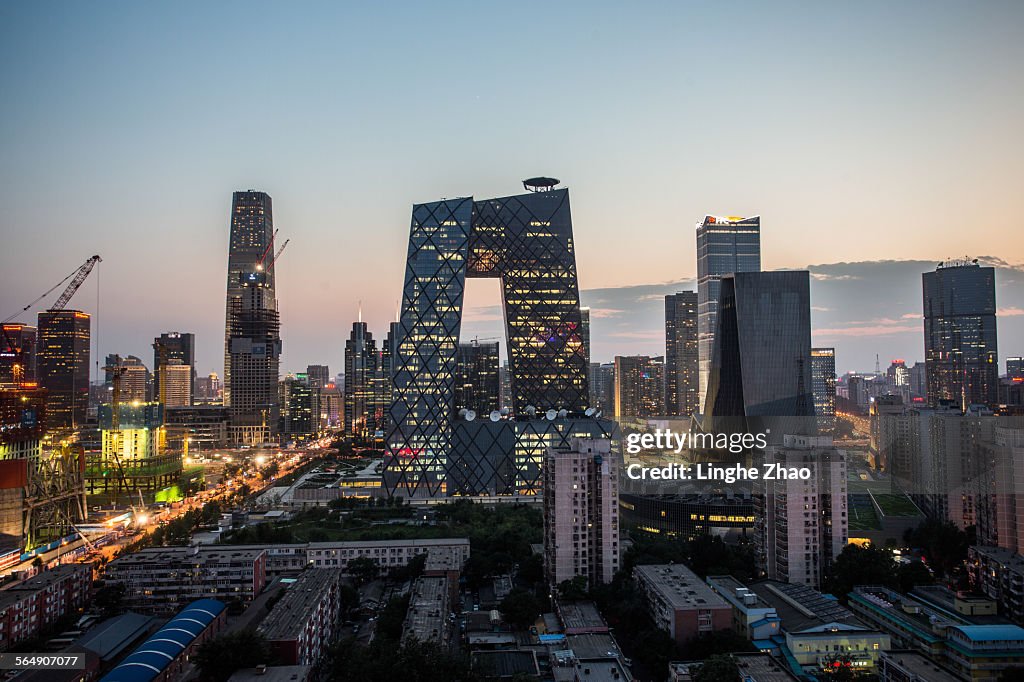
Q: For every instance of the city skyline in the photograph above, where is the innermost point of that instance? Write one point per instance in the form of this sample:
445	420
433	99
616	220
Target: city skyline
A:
902	126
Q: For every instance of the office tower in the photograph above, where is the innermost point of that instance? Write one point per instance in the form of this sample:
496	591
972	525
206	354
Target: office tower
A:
761	365
581	512
524	240
135	379
960	334
17	353
803	524
62	365
300	407
360	365
585	331
173	346
131	460
897	375
724	246
918	380
505	387
207	389
252	343
1015	368
318	375
681	355
332	409
176	382
639	386
823	380
476	378
602	386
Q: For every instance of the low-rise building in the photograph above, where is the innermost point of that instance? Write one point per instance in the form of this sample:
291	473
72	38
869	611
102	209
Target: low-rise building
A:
162	579
912	666
982	652
305	621
999	574
427	619
30	606
752	616
680	602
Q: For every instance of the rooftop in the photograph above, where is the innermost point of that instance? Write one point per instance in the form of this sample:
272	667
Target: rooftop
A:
427	617
111	637
735	592
800	607
199	554
992	633
289	616
762	667
922	666
680	586
274	673
581	616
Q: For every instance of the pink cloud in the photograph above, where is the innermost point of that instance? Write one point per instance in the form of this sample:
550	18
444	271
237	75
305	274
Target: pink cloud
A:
1011	311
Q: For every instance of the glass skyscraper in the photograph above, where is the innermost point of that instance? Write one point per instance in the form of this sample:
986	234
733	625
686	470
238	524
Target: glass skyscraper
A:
724	246
681	356
823	378
961	356
761	364
252	339
62	365
525	241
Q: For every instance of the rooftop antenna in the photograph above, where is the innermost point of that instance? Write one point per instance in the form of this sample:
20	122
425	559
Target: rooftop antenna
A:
360	311
878	367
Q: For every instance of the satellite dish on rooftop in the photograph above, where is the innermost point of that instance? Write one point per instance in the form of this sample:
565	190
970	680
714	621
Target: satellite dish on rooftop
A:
563	413
462	412
505	412
530	410
551	414
589	412
495	416
470	415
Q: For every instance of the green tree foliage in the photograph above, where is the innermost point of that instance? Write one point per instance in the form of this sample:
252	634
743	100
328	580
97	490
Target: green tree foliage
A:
857	565
912	574
717	642
363	569
221	656
574	589
389	622
705	555
521	608
109	599
384	661
717	668
943	545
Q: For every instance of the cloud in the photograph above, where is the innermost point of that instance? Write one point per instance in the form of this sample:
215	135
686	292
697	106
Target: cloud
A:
602	313
912	316
868	330
828	277
820	309
1010	311
648	335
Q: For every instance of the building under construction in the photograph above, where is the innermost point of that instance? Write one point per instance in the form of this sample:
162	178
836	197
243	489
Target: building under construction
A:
42	495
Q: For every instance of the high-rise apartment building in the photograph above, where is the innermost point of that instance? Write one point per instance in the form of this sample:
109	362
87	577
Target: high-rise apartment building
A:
761	365
252	344
823	380
526	242
175	379
724	246
602	386
682	359
803	523
639	386
999	516
17	353
136	381
581	508
173	346
960	334
476	378
318	375
62	365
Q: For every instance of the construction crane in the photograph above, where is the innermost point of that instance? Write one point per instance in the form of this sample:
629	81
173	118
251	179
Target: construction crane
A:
273	261
270	245
76	277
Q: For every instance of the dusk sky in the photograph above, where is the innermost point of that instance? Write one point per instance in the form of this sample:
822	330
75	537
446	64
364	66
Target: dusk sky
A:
860	132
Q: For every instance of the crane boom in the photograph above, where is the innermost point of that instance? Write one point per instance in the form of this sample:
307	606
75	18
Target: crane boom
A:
79	277
277	255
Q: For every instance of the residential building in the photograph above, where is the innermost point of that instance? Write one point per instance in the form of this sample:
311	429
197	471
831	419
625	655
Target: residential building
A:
998	573
680	602
169	347
910	666
428	617
175	384
29	607
752	616
305	621
639	386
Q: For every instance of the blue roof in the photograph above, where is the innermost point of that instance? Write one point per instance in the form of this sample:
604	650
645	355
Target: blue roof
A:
992	633
167	643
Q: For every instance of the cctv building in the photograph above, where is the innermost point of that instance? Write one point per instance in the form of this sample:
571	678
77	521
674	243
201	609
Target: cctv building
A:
526	241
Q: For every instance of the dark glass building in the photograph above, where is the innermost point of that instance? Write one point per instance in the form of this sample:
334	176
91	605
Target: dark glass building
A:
639	386
823	378
62	365
961	356
681	355
477	385
724	246
525	241
761	365
173	346
17	353
252	343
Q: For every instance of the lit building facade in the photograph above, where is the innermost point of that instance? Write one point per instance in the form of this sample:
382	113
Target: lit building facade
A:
526	241
682	359
175	379
171	346
477	385
823	379
724	246
960	347
62	365
252	343
639	386
17	353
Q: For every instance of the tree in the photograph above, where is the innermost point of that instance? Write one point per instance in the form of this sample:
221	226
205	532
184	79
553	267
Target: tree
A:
573	589
520	608
363	569
717	642
943	544
839	668
857	565
218	658
913	574
717	668
110	599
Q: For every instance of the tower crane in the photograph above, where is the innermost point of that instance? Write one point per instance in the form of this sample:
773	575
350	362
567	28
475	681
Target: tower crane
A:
273	261
77	277
270	245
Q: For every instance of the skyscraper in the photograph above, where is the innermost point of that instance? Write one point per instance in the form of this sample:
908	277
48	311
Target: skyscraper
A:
252	343
360	365
823	379
524	240
585	331
724	246
960	334
682	397
173	346
639	386
476	378
62	365
761	365
318	375
176	379
17	353
1015	368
